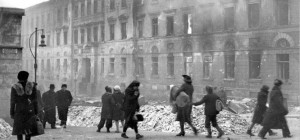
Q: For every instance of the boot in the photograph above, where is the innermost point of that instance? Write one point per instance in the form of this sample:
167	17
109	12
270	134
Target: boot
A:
250	133
138	136
271	133
108	131
124	135
98	130
208	133
221	133
195	131
182	133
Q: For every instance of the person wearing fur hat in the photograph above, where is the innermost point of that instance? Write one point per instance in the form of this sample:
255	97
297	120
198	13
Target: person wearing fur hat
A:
118	113
23	105
50	106
64	99
275	115
184	113
260	109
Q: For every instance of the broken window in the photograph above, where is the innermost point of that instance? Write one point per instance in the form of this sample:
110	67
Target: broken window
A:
154	60
82	9
140	69
89	34
65	65
188	59
112	5
229	18
170	64
95	6
283	66
112	65
102	66
140	28
123	30
82	36
66	14
123	66
76	11
89	7
229	56
76	36
187	22
95	34
282	12
254	64
102	33
58	38
154	27
124	4
170	25
112	31
253	15
65	37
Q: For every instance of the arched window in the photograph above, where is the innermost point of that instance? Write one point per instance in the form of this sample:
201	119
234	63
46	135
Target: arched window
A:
188	59
154	58
170	60
283	64
207	60
229	57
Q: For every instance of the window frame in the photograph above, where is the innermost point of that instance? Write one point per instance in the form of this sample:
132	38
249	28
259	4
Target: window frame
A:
154	27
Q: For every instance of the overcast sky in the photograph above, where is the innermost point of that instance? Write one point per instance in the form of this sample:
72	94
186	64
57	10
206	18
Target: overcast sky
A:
19	3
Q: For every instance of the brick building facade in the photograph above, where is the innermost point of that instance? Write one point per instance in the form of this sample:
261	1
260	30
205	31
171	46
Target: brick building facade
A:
237	44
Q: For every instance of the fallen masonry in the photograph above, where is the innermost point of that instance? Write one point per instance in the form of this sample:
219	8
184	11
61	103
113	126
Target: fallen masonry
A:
159	118
5	129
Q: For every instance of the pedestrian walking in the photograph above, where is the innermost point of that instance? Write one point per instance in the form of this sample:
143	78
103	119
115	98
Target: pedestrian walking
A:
130	107
275	114
50	107
40	103
64	99
118	113
184	112
210	111
260	110
108	104
23	105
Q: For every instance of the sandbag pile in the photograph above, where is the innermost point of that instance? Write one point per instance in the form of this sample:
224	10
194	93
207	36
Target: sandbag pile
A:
5	129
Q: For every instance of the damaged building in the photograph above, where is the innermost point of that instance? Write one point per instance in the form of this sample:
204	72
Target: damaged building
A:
236	44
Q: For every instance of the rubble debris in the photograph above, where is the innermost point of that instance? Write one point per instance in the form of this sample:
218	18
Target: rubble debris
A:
5	129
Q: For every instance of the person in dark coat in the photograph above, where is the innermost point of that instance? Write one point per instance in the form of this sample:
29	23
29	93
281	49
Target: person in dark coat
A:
23	105
118	113
260	109
49	107
130	107
107	110
275	114
41	113
210	111
184	113
64	99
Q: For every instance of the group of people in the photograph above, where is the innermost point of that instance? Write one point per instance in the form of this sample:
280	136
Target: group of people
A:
119	107
27	102
270	112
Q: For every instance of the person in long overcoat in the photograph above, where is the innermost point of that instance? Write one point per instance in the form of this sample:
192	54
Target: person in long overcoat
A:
260	109
108	104
64	99
210	111
275	115
118	113
184	113
23	105
50	107
130	107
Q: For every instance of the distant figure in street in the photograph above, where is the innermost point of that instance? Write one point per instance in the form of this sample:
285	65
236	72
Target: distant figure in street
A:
222	94
184	112
118	113
210	111
260	109
64	99
130	107
23	105
275	115
40	103
49	107
108	104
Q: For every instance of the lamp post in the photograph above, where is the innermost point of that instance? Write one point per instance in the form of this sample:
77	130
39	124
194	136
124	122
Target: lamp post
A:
35	48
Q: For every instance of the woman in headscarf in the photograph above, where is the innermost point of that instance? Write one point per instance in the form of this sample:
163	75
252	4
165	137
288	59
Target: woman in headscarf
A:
184	113
275	114
260	109
118	114
130	107
23	105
